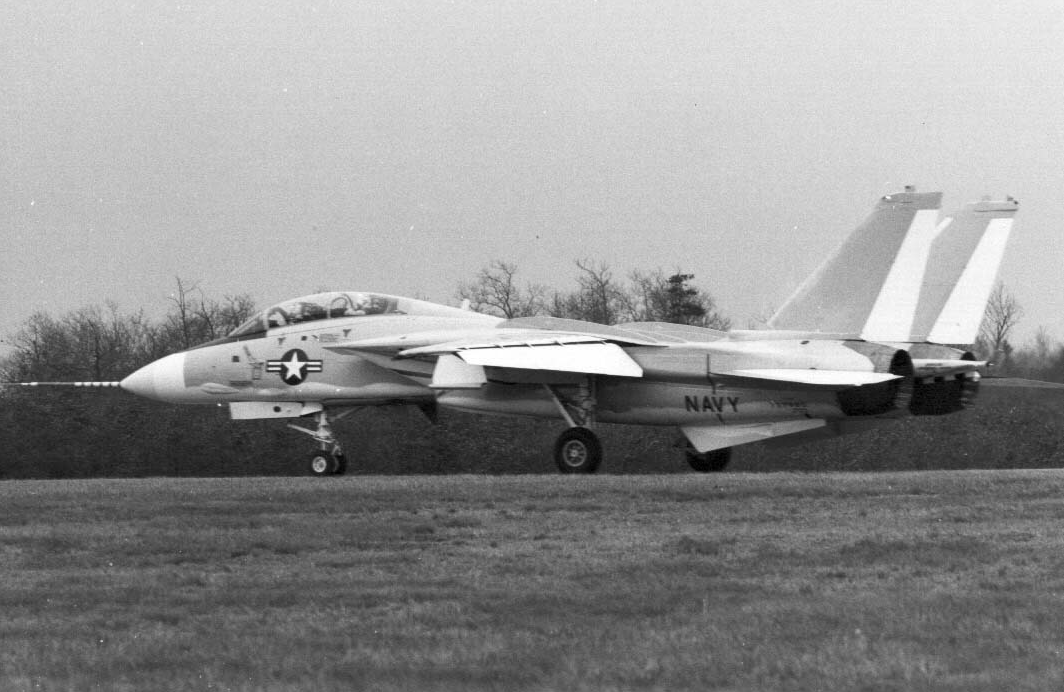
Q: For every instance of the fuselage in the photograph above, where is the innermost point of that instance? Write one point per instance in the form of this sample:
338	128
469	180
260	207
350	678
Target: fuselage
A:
318	352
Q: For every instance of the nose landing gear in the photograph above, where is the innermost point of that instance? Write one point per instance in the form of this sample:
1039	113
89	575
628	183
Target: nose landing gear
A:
328	463
329	460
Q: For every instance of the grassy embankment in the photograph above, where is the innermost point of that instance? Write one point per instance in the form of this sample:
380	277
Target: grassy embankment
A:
878	582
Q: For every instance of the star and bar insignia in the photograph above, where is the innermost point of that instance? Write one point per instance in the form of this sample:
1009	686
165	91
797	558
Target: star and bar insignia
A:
294	366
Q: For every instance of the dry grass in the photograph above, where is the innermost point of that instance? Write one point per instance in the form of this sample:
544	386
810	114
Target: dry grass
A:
945	581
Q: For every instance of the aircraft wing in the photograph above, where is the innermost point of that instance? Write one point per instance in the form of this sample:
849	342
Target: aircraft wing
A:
825	378
581	347
392	345
561	353
519	332
675	333
597	358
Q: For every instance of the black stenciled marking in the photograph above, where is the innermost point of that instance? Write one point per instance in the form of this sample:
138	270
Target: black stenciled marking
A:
712	404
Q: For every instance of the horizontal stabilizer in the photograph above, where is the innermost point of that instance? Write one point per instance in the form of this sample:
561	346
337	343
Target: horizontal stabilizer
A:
824	378
1019	383
706	438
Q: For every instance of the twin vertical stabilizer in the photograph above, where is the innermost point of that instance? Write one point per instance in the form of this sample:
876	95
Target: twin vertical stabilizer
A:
905	276
961	271
862	278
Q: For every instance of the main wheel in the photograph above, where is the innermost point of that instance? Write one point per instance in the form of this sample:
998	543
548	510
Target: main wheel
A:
578	450
324	464
709	462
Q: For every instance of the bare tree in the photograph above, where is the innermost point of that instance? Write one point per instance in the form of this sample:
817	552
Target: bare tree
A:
183	318
495	291
1036	358
599	297
660	298
196	319
1003	312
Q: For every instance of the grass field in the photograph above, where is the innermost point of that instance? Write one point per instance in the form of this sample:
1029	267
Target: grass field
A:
942	581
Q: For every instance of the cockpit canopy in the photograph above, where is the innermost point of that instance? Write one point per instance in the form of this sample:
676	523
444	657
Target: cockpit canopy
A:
335	304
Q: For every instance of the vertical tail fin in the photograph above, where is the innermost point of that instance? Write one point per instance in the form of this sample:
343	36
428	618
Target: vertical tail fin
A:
961	269
870	285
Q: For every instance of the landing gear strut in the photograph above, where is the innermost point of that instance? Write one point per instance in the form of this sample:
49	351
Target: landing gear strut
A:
577	450
329	460
708	462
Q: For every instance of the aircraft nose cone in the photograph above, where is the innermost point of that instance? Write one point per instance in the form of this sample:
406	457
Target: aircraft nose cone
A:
163	379
141	382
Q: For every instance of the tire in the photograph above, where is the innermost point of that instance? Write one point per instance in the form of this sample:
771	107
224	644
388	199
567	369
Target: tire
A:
322	464
709	462
577	450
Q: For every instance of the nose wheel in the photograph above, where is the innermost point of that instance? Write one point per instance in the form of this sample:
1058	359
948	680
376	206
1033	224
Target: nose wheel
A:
326	463
329	460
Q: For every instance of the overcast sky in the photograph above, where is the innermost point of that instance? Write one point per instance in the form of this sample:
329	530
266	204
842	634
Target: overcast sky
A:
279	148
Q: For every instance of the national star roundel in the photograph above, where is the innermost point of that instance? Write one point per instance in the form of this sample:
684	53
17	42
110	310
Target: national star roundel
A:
293	366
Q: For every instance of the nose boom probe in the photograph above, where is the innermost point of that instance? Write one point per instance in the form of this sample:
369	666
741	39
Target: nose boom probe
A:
59	384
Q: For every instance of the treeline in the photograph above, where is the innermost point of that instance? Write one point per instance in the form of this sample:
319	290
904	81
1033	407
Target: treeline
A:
1042	358
52	432
75	433
646	296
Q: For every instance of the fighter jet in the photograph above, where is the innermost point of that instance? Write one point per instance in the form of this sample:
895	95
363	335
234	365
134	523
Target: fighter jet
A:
850	349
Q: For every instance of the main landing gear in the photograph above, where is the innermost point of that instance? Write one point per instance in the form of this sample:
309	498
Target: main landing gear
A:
577	450
329	460
708	462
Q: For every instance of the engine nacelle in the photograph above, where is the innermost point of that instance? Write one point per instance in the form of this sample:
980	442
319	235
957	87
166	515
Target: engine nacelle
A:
939	395
893	397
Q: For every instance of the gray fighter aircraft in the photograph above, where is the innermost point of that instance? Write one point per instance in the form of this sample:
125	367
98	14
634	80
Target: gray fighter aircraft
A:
864	340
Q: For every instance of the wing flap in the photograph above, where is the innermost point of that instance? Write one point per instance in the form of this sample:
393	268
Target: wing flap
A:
595	358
